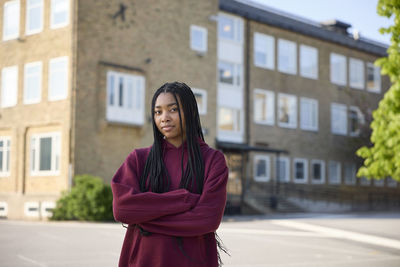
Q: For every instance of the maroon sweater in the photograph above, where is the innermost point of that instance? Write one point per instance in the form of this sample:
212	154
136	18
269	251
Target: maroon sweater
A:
177	213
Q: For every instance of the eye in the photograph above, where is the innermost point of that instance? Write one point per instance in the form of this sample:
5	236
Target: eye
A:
174	109
157	112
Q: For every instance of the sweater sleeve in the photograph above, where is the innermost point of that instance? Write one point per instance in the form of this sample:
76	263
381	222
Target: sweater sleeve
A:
206	216
131	206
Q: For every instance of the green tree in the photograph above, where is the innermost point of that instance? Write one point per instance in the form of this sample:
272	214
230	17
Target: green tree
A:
383	158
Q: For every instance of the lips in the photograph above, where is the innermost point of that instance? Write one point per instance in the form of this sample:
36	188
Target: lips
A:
167	128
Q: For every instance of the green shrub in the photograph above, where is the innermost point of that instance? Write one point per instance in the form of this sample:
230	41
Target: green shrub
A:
89	200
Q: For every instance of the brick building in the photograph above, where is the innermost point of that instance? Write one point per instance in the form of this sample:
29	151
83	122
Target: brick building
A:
273	90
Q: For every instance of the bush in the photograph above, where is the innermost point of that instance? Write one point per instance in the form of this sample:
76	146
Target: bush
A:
89	200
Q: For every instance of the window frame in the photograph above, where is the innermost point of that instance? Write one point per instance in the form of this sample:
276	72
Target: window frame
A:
338	170
28	7
38	99
322	168
4	210
65	91
237	32
343	109
353	180
304	180
31	204
314	114
203	47
12	89
360	119
290	125
267	159
292	62
285	179
5	169
54	25
17	19
202	109
337	80
267	94
353	62
269	50
377	72
56	149
237	74
303	57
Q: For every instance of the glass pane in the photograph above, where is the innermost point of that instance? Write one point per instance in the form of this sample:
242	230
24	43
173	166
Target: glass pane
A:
226	119
299	170
284	109
120	91
60	11
260	107
129	93
199	100
261	168
225	72
111	93
1	160
45	154
35	15
33	151
317	171
225	27
197	39
11	19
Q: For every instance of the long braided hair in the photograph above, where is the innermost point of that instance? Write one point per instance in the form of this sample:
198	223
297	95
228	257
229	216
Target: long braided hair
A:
155	176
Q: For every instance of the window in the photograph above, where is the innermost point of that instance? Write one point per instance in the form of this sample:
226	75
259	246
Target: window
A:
349	174
317	171
373	78
264	51
58	78
59	13
338	119
356	119
334	172
365	181
31	209
308	62
46	208
264	107
9	86
379	183
287	111
391	182
261	168
230	73
230	28
45	154
198	38
282	169
5	143
356	73
338	69
201	99
32	82
287	56
300	170
34	16
11	20
229	119
125	98
308	114
3	209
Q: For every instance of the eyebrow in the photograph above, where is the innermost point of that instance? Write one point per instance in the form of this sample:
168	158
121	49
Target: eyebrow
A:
169	105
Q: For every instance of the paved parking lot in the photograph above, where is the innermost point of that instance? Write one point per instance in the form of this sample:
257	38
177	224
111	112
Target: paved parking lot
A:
290	240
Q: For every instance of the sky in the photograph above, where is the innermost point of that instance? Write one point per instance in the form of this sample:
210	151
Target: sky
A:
361	14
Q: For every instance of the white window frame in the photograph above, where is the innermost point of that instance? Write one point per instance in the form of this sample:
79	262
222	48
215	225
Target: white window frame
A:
338	76
264	44
268	95
26	83
236	118
305	164
44	208
9	86
285	179
202	48
133	108
267	160
343	124
322	163
4	209
54	25
377	77
292	123
338	171
16	18
353	179
203	93
308	53
360	118
290	47
237	28
313	103
52	96
356	71
237	74
56	143
31	205
29	7
5	170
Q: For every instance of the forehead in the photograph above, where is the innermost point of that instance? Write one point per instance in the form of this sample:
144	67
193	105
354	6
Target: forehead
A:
166	99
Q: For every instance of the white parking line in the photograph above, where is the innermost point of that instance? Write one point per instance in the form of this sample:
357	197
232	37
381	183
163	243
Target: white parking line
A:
343	234
31	261
268	232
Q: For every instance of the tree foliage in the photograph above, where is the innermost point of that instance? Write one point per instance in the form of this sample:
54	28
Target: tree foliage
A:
89	200
383	158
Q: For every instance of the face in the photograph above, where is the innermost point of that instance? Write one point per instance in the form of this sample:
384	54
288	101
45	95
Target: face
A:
166	118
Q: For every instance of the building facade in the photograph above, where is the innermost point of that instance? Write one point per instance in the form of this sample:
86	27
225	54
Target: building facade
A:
283	98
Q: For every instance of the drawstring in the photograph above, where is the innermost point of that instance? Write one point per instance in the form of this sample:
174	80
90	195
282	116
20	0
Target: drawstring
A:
141	230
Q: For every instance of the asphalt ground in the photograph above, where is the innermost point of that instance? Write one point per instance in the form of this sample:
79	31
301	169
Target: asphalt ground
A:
280	240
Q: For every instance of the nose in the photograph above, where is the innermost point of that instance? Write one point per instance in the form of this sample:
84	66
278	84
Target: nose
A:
165	117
